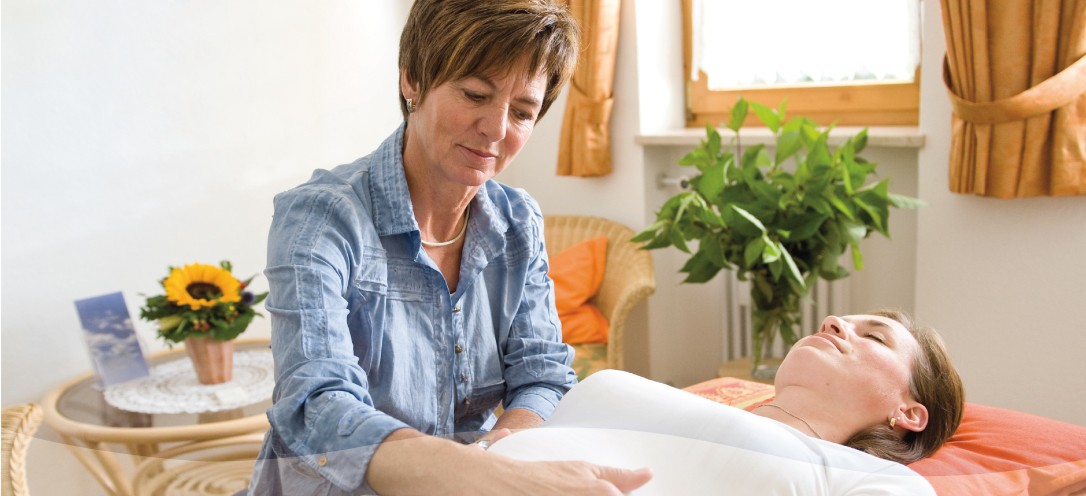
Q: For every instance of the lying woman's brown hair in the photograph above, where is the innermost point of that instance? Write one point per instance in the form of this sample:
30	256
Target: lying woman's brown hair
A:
936	385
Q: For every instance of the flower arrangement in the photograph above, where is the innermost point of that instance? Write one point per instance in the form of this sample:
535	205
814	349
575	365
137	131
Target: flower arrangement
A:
202	301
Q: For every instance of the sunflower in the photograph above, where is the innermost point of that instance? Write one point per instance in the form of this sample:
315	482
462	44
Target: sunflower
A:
199	285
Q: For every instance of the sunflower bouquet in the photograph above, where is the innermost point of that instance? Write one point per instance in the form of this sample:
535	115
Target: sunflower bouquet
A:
202	301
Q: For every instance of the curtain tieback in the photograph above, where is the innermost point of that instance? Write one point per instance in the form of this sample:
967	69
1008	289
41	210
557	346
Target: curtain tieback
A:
1053	93
592	110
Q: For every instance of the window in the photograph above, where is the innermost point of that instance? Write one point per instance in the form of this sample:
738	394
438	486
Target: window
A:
855	62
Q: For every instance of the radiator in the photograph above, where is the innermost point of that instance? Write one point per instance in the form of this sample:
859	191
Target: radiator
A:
830	298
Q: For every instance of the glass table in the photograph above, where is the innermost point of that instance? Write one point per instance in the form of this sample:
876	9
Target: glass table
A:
78	412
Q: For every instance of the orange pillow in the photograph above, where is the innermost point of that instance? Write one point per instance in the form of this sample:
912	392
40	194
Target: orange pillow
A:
577	274
1000	451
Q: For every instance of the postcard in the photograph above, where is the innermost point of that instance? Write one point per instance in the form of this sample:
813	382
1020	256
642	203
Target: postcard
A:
111	339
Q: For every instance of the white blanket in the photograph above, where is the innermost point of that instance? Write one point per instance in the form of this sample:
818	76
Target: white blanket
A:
695	446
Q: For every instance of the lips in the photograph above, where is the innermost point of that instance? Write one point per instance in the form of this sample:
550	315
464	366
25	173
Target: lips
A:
832	341
479	154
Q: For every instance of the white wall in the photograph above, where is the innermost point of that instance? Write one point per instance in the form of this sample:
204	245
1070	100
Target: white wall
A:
142	134
1003	280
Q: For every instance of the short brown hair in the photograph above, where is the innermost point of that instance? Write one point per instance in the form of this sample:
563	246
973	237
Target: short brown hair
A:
446	40
935	384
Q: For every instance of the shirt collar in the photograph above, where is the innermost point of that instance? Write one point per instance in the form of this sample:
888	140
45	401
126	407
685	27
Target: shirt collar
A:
392	211
394	214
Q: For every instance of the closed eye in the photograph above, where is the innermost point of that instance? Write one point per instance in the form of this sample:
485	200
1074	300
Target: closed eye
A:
524	116
876	337
475	97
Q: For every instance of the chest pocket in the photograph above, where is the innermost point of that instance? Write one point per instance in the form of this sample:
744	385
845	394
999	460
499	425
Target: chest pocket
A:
393	279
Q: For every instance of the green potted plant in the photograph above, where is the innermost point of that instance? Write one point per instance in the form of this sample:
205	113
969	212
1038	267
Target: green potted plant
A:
780	220
205	307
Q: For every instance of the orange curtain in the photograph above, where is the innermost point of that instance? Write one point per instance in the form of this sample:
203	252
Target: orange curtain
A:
585	147
1016	74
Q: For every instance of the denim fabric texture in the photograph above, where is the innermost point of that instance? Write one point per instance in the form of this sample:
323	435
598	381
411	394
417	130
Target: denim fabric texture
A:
367	338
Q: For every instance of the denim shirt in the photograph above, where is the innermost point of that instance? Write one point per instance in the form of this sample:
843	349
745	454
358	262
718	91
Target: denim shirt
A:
367	338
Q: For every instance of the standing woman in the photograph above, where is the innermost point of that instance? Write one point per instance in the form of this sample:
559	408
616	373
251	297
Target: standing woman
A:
409	291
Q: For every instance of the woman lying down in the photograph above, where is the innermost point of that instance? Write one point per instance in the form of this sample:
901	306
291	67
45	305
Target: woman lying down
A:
854	402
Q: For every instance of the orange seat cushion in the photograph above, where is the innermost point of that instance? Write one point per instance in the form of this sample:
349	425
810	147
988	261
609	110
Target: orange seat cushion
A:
994	451
577	274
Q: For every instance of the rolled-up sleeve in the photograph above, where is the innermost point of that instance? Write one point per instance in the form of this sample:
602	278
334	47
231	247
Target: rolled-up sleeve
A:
538	371
323	411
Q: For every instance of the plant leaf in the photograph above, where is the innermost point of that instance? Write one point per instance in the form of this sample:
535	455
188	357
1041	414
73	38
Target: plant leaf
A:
711	182
649	232
836	202
792	268
750	218
788	143
803	226
902	201
861	141
676	238
699	157
699	268
737	115
753	251
661	240
767	115
857	258
713	249
770	251
712	147
775	269
853	231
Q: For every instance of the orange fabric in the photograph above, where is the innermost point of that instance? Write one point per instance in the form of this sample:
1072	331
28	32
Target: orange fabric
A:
1016	60
999	451
584	324
584	149
730	391
577	274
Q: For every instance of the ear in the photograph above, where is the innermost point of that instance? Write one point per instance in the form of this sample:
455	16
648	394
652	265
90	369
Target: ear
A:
408	88
911	417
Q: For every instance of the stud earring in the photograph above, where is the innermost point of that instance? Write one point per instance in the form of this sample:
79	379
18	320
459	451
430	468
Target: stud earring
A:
892	422
410	105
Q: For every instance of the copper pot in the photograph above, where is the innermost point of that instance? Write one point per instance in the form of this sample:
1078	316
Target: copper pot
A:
212	359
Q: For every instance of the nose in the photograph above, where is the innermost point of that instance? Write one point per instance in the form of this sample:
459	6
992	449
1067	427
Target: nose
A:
834	325
494	123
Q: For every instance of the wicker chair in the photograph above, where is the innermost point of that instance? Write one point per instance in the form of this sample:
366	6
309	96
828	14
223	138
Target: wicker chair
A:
19	424
216	467
628	277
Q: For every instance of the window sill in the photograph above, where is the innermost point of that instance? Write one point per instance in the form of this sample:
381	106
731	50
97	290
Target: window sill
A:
877	136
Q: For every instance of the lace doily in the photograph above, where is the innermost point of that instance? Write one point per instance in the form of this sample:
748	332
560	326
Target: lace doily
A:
173	388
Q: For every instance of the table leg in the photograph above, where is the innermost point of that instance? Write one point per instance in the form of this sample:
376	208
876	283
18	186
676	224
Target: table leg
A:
105	470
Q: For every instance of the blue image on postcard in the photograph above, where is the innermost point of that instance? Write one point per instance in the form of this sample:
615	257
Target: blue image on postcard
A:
111	339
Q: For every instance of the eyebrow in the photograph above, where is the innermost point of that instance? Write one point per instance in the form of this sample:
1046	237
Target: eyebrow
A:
522	99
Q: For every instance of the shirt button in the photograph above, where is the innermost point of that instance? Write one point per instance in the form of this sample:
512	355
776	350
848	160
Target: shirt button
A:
456	309
463	378
322	461
459	349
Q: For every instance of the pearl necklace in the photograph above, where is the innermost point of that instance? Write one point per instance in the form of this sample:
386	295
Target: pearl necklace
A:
467	214
781	408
